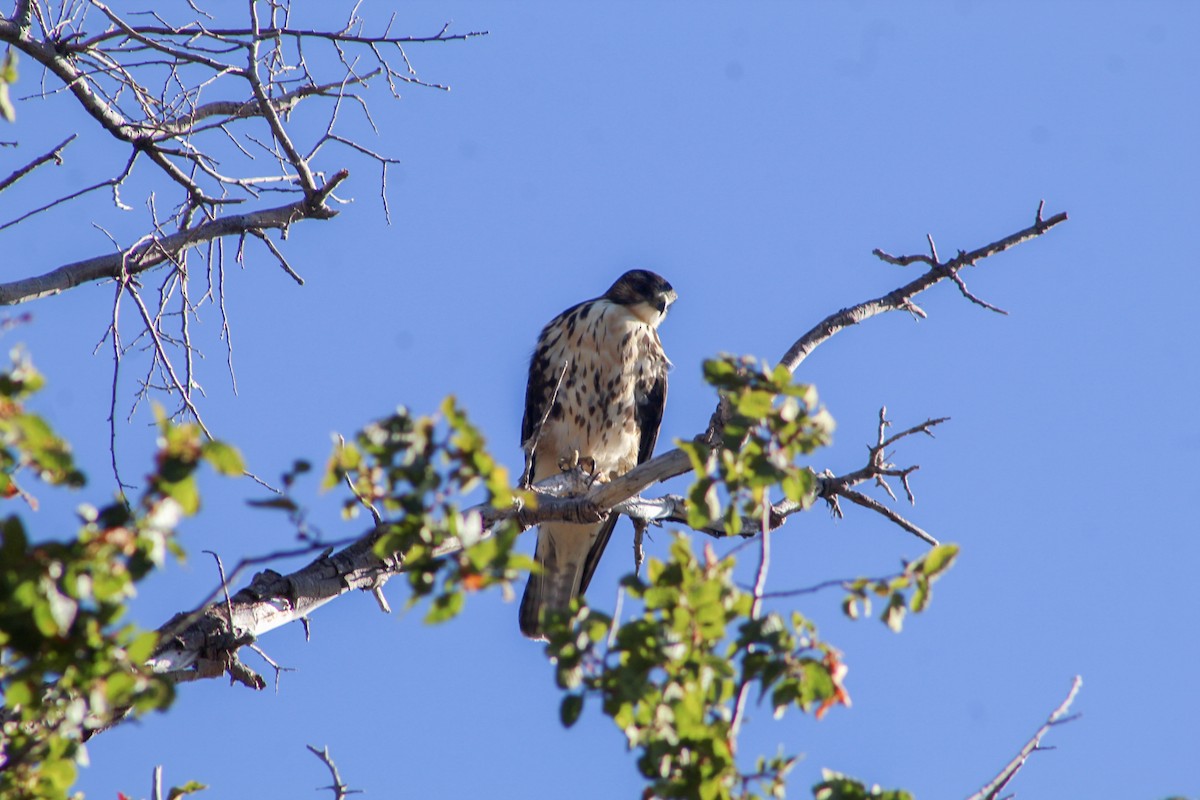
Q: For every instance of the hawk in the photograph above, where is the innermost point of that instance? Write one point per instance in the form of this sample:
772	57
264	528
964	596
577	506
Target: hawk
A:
596	392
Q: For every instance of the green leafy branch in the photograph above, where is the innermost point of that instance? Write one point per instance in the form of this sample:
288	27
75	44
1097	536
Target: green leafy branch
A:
771	422
669	678
26	440
835	786
905	591
69	665
414	473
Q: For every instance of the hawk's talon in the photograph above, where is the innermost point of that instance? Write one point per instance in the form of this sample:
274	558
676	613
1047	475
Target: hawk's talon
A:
568	463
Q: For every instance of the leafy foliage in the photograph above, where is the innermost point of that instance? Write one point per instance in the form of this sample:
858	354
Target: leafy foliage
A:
772	422
26	440
416	472
910	590
674	678
836	786
671	677
68	665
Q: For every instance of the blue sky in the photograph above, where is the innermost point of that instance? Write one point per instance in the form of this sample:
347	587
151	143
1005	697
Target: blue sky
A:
753	155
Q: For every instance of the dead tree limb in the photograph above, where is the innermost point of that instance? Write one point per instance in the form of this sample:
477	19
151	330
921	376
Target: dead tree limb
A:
200	102
156	251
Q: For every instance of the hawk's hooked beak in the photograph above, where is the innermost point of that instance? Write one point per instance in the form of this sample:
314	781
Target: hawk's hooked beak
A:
664	300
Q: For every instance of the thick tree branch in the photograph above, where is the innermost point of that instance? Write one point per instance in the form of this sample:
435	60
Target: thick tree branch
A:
153	252
214	633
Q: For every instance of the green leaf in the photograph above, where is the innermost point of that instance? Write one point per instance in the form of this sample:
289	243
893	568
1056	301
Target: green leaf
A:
939	559
893	615
920	598
719	372
703	504
755	404
142	646
571	708
836	786
191	787
445	607
59	773
6	107
696	452
8	69
224	459
185	492
797	486
19	693
281	503
850	607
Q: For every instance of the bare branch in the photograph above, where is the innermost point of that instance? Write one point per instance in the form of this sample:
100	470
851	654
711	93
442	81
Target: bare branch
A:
114	183
184	391
169	91
901	299
760	588
54	155
279	256
151	253
279	670
298	162
1057	717
861	499
339	789
229	110
224	582
194	29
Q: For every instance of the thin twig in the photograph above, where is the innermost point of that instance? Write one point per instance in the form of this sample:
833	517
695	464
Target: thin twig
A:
760	587
1010	770
224	583
339	789
278	669
55	155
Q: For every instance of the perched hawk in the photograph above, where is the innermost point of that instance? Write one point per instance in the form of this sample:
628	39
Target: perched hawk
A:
608	365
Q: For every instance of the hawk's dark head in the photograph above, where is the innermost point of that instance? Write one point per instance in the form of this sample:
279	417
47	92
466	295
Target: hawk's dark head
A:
647	294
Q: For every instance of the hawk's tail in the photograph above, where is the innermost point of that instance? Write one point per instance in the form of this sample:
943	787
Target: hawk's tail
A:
552	590
561	552
568	555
